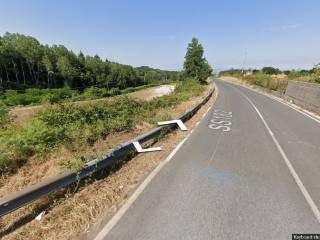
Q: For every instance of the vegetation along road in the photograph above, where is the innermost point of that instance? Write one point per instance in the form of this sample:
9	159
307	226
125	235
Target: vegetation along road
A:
248	170
159	120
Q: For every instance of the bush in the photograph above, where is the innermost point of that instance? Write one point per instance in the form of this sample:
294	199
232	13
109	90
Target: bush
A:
36	96
297	75
259	79
270	70
94	93
77	125
189	85
3	115
317	76
114	91
39	96
266	81
5	162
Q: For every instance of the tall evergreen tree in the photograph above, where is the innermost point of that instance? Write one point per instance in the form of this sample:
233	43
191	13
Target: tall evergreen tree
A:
195	65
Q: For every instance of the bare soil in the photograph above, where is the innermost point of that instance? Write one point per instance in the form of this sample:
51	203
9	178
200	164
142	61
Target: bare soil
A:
71	213
149	93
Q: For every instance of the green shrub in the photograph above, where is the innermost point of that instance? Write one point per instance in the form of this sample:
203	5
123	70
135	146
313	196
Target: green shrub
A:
94	93
4	118
296	75
39	96
317	76
77	125
5	163
270	70
37	138
36	96
190	86
114	91
266	81
259	79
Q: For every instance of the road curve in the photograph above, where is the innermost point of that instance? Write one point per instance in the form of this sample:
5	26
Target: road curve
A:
233	180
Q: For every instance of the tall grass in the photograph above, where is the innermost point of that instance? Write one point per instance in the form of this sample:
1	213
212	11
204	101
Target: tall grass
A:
260	79
74	126
266	81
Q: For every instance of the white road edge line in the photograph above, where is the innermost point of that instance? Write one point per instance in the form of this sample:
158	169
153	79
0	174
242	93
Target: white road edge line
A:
294	107
294	174
115	219
206	112
280	100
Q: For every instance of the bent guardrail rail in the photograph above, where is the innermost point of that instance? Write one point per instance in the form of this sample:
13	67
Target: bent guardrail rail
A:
26	196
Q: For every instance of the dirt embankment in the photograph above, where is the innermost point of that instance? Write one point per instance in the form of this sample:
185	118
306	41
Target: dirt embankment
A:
21	115
72	213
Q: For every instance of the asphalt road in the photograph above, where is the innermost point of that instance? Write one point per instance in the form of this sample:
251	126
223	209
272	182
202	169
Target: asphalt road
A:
234	184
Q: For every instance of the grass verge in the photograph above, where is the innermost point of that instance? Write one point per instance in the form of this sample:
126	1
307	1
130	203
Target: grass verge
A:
262	80
73	126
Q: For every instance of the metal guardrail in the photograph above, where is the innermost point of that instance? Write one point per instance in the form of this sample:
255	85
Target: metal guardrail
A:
26	196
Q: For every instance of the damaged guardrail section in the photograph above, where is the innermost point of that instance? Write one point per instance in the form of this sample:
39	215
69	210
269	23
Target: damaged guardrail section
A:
32	193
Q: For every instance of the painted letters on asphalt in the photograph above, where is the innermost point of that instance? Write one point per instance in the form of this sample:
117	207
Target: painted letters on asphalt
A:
221	120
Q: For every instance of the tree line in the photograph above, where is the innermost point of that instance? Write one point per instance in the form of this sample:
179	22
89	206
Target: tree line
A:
26	63
272	71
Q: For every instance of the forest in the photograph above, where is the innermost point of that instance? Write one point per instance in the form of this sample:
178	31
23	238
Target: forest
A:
26	63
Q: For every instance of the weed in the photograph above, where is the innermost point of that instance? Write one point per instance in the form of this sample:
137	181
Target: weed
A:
74	126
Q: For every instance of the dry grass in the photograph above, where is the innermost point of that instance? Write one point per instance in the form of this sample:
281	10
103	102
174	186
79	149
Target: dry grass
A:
73	211
35	170
275	84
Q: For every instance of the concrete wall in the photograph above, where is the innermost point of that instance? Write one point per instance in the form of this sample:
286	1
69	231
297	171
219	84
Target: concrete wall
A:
305	94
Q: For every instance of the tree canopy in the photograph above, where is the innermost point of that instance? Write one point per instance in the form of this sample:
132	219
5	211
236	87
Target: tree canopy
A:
270	70
25	63
195	65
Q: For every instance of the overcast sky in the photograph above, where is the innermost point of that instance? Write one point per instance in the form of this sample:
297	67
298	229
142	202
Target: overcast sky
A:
234	33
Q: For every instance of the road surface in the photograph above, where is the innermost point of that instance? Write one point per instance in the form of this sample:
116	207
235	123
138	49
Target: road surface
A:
250	170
